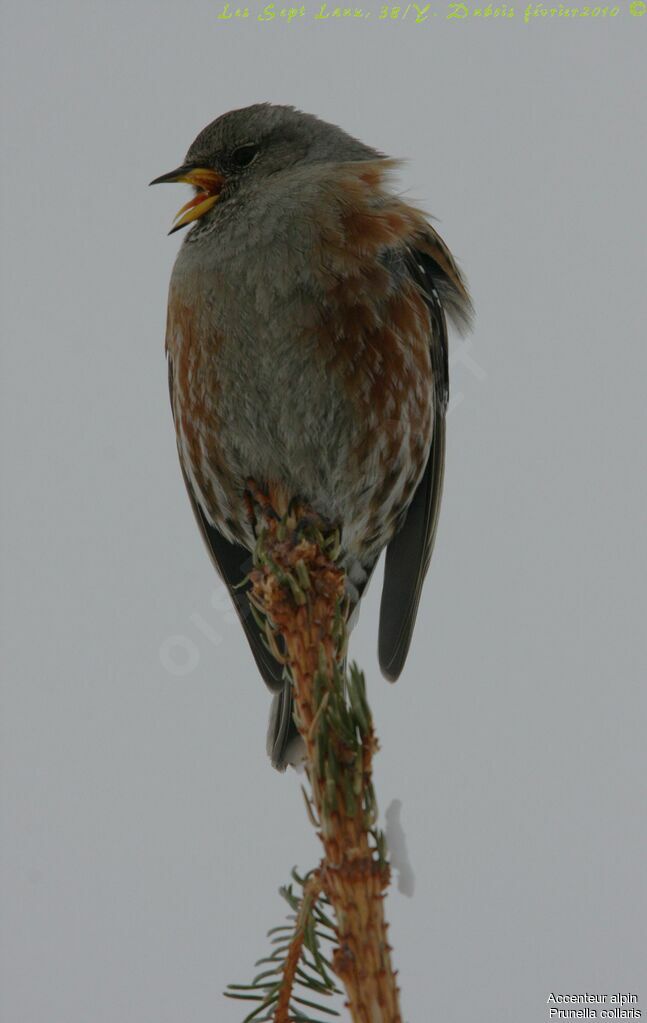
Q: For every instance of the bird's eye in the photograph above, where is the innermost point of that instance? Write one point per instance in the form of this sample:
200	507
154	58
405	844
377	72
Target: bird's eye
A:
244	155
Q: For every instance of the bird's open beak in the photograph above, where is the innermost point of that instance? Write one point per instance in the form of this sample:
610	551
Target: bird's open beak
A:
209	185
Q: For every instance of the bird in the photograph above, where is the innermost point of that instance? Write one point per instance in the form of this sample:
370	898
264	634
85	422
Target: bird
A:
306	341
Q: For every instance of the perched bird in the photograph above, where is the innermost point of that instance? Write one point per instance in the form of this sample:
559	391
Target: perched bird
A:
307	350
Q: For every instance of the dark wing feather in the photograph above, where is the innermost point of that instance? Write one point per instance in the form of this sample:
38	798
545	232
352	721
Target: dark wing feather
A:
409	552
233	562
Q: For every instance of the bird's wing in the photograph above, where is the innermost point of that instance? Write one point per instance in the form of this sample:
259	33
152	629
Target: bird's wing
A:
409	552
233	562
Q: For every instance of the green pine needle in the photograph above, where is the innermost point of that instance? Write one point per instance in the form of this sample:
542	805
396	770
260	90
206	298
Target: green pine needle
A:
314	973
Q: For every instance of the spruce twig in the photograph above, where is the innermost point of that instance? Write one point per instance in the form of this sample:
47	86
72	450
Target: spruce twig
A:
298	590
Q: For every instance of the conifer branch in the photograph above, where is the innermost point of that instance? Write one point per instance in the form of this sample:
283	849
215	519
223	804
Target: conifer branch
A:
298	590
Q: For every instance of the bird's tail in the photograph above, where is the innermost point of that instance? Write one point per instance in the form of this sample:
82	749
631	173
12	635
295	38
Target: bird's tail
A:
284	744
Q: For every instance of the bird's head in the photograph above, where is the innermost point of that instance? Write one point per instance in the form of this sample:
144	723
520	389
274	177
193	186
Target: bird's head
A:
245	147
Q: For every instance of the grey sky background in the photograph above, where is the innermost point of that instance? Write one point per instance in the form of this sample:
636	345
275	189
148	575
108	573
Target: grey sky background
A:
144	835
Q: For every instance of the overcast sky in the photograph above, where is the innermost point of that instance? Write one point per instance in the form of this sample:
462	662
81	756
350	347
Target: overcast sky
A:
144	834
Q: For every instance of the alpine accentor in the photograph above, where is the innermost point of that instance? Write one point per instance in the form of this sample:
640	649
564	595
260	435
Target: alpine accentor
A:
307	350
